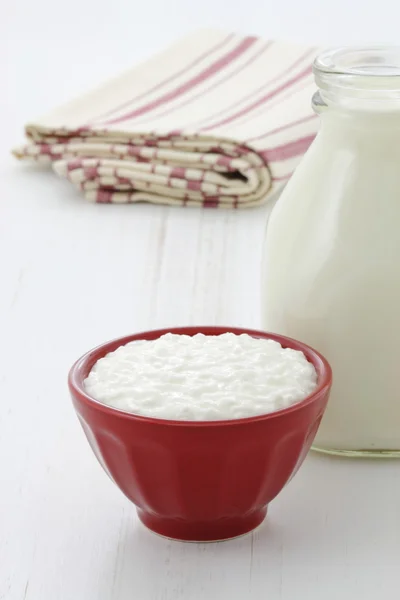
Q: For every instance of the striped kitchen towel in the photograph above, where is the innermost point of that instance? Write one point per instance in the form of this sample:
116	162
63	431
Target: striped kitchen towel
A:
217	120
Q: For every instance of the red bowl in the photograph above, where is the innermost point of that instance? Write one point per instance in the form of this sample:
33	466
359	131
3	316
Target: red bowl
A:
200	480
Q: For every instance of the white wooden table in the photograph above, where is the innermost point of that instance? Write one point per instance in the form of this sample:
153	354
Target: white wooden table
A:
74	275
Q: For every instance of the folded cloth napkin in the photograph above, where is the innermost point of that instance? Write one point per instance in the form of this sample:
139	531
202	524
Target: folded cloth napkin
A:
217	120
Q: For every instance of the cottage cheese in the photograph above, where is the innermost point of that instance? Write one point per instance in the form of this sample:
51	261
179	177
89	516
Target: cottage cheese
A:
201	378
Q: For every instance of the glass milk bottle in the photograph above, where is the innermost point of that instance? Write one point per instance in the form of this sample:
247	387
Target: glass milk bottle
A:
331	268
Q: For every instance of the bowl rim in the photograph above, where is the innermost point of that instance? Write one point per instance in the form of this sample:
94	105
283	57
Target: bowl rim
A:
84	364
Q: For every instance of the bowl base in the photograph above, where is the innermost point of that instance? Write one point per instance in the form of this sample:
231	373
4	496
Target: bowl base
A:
208	531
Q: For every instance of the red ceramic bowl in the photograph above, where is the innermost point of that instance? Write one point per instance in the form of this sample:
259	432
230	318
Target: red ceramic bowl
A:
200	480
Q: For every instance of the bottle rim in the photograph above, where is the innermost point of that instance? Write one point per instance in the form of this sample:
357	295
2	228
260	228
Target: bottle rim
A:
369	72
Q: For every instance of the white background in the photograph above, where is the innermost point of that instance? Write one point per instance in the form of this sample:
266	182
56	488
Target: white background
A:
74	275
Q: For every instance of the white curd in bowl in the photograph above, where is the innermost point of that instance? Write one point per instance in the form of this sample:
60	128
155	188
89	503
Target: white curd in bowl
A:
201	378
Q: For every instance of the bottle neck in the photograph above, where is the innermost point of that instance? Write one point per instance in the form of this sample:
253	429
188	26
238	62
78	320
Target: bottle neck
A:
360	82
356	112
